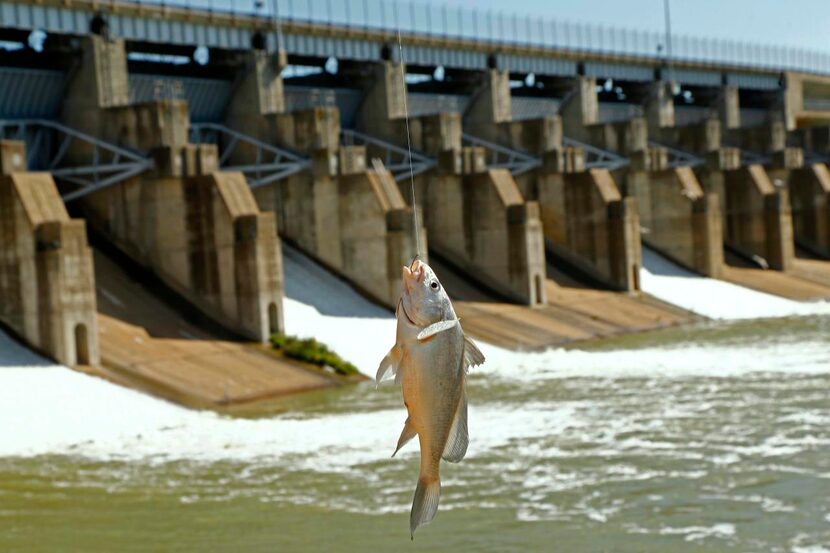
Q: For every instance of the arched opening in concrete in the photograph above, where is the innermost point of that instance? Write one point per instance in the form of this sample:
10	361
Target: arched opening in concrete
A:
273	319
635	276
539	281
81	345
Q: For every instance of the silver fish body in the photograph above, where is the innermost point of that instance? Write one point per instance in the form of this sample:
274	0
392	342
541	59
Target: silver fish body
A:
430	359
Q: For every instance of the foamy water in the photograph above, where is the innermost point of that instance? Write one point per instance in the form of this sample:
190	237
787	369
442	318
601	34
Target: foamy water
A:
714	298
73	413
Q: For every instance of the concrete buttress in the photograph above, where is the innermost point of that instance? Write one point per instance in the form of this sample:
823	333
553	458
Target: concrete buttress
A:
195	227
47	283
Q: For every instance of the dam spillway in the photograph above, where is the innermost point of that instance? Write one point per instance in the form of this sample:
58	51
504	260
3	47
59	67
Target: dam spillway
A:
549	182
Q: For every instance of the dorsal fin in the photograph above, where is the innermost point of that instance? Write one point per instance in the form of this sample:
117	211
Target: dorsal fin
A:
472	355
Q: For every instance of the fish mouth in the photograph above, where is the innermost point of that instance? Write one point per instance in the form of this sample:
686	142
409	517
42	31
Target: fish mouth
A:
415	273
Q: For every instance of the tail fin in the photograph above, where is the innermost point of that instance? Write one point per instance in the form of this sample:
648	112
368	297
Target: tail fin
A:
425	504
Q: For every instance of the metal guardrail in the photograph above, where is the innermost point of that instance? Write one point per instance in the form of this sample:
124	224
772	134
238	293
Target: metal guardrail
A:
597	157
502	157
679	158
270	163
399	161
47	147
513	29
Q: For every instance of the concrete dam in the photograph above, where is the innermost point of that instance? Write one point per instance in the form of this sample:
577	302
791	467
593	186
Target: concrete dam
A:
170	172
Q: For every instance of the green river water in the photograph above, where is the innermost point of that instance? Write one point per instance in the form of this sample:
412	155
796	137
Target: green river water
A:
712	438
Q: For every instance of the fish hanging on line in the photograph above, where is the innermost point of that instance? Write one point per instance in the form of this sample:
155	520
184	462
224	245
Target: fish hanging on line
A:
429	360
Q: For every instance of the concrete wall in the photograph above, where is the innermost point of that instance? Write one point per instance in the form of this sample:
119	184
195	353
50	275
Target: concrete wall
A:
682	221
47	283
308	202
758	217
501	239
755	199
351	218
585	219
588	222
477	218
810	194
376	233
198	229
677	217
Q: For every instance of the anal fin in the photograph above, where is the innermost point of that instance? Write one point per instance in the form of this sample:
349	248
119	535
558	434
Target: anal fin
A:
406	434
457	442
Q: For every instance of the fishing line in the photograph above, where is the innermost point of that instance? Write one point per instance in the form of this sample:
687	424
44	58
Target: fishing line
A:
409	148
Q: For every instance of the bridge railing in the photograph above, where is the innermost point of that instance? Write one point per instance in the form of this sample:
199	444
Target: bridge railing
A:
504	28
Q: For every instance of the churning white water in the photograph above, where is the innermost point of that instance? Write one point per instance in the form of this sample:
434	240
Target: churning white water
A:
67	412
714	298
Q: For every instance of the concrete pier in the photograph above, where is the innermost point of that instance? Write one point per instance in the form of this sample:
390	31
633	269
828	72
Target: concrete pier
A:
197	228
753	172
47	283
476	217
678	217
345	212
810	202
586	221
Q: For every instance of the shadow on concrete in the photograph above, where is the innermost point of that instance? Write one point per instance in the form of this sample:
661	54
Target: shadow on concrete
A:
657	264
14	353
310	283
127	291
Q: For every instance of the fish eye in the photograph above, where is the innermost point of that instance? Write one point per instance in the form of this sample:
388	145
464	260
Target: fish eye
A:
434	285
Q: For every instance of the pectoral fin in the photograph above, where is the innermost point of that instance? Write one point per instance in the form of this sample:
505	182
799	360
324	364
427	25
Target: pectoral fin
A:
406	434
435	328
458	439
472	355
389	364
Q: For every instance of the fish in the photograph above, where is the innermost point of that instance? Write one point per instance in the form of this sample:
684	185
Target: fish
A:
429	361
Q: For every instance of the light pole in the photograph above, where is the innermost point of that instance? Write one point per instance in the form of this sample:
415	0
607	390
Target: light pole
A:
667	15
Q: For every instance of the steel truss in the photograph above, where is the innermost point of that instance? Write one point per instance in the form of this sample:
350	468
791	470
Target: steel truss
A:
502	157
678	158
271	163
402	163
48	143
597	157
